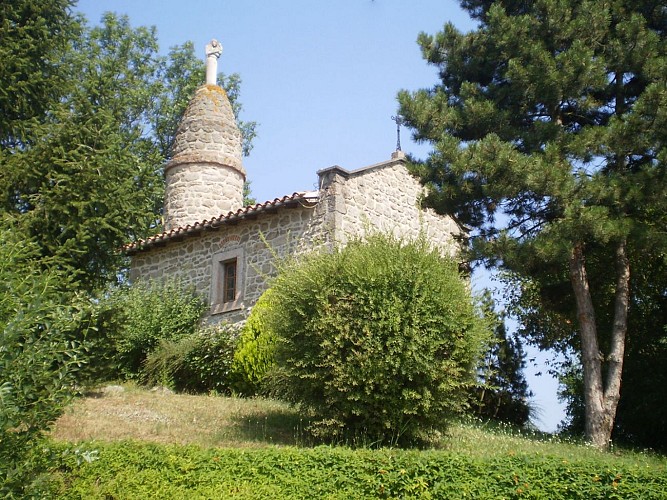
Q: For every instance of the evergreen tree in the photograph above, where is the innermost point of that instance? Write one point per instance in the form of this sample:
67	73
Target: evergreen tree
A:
34	36
504	393
641	417
82	166
549	129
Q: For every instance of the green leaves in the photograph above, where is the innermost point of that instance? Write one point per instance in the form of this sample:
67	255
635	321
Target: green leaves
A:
143	315
545	142
85	175
41	351
533	97
378	340
139	470
35	38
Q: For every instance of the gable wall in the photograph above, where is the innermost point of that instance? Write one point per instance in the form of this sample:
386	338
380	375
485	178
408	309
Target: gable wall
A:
385	198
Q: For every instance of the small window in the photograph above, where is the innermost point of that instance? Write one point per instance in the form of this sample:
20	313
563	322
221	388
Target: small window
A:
229	283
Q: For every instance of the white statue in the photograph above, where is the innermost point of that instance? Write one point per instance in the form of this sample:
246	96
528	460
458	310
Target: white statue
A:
213	51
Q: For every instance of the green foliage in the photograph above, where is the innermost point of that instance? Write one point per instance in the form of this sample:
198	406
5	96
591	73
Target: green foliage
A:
379	339
255	354
642	411
40	352
165	365
145	314
248	198
83	153
135	470
504	393
548	128
542	115
35	36
200	362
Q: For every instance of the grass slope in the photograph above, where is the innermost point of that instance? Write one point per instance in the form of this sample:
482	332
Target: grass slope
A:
256	449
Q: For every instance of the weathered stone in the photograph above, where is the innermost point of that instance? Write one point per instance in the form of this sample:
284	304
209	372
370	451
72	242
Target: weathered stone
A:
204	181
382	197
206	158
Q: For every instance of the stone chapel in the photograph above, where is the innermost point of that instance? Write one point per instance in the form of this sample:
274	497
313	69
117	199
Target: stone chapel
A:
227	251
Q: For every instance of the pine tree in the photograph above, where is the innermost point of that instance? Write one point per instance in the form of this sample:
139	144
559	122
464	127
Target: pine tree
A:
641	418
549	128
34	36
504	393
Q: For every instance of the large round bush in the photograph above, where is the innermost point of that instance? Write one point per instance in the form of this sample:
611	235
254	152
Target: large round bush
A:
378	340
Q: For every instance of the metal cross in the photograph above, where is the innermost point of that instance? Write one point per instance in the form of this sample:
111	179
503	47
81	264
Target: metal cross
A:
399	121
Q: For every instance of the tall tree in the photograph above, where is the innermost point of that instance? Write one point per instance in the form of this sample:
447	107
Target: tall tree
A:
549	128
503	394
641	418
86	175
34	36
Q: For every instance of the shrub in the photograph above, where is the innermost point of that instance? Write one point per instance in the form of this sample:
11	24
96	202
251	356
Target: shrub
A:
132	469
200	362
165	366
145	314
40	353
378	340
255	354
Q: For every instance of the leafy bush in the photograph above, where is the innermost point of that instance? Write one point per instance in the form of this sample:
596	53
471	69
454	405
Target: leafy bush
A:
147	313
255	354
165	366
40	353
200	362
142	470
379	339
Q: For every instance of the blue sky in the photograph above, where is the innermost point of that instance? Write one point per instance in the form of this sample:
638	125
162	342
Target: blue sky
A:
320	78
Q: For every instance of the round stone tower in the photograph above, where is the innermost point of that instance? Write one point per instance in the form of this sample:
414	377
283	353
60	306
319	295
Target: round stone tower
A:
205	176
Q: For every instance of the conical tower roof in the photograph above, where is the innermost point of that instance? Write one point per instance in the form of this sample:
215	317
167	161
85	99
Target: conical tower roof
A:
205	176
208	132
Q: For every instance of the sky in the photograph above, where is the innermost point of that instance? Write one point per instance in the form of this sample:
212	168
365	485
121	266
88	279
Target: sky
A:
320	78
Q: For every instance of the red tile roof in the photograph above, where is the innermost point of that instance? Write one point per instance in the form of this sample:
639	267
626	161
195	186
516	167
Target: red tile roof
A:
304	198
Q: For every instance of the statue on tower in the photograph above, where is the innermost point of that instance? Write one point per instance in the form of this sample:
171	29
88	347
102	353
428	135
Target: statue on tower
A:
213	51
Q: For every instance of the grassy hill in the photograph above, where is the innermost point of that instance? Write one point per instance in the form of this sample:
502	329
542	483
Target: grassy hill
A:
133	443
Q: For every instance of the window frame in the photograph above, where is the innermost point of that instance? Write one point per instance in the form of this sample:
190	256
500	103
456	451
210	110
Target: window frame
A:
219	288
229	285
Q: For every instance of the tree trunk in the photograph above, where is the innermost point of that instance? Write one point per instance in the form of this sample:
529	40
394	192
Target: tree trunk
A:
600	398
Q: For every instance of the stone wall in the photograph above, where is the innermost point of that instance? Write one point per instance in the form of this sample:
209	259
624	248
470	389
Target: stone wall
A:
257	243
201	191
384	197
205	175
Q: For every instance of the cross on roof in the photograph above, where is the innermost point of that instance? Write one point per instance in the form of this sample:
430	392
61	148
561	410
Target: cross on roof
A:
399	121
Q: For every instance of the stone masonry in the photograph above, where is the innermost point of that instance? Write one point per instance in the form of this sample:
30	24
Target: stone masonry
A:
386	198
205	176
256	242
207	229
382	197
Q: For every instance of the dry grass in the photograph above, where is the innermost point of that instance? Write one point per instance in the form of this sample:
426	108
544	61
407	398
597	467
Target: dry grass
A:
115	413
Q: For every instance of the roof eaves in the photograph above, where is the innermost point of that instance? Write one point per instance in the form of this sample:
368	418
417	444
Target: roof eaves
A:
306	198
